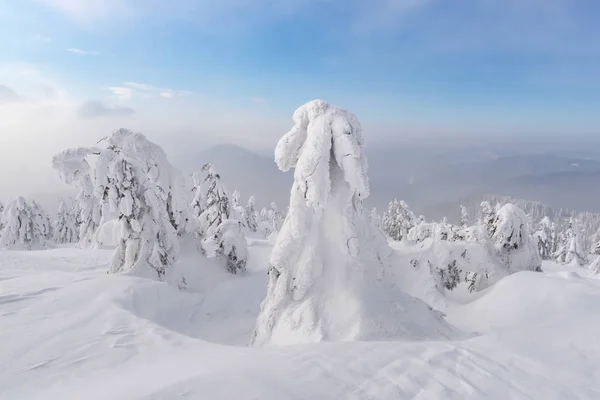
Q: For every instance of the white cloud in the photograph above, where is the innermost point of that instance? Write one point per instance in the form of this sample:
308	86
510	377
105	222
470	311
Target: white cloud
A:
167	95
258	100
120	92
83	52
94	109
135	89
41	38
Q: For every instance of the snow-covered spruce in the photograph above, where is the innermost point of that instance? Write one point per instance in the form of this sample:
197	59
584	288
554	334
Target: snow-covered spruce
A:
26	227
65	227
326	273
398	220
133	177
223	236
570	250
251	215
514	246
228	240
238	212
74	168
265	226
545	236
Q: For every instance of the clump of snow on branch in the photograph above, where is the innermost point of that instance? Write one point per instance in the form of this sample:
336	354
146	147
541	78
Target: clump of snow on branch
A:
326	276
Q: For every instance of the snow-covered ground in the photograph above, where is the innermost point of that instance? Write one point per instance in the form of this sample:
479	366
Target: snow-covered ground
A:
70	331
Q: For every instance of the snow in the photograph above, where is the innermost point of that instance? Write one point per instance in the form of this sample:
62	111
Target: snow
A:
70	331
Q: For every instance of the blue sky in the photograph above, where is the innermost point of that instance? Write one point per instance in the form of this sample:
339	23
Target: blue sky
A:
193	73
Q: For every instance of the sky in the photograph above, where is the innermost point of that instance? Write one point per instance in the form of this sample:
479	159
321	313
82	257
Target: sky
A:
190	74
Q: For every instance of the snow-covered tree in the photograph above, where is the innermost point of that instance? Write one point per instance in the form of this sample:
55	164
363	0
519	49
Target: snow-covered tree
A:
198	204
275	217
218	207
464	216
514	246
326	275
487	216
133	178
74	168
223	235
570	250
545	238
228	240
238	212
265	225
24	226
398	220
251	216
65	227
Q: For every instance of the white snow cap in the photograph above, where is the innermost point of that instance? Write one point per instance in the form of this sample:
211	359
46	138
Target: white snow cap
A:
307	148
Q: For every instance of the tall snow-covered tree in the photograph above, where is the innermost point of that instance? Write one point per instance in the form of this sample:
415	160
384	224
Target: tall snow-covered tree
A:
326	275
265	225
511	239
238	212
218	206
74	168
133	177
570	250
275	217
65	227
398	219
24	226
251	216
545	238
487	216
464	216
223	238
198	204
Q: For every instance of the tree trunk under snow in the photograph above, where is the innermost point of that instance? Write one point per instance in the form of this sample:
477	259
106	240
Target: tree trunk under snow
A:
325	278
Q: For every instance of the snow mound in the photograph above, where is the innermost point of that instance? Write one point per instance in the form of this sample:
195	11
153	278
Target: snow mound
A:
532	301
417	268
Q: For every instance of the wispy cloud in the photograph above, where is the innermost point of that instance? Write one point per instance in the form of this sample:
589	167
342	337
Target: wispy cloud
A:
258	100
94	109
120	92
8	94
41	38
136	89
83	52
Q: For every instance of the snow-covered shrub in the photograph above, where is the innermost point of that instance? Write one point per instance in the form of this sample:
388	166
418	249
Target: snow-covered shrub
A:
65	227
25	226
515	248
73	168
398	220
570	250
326	275
251	216
133	178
